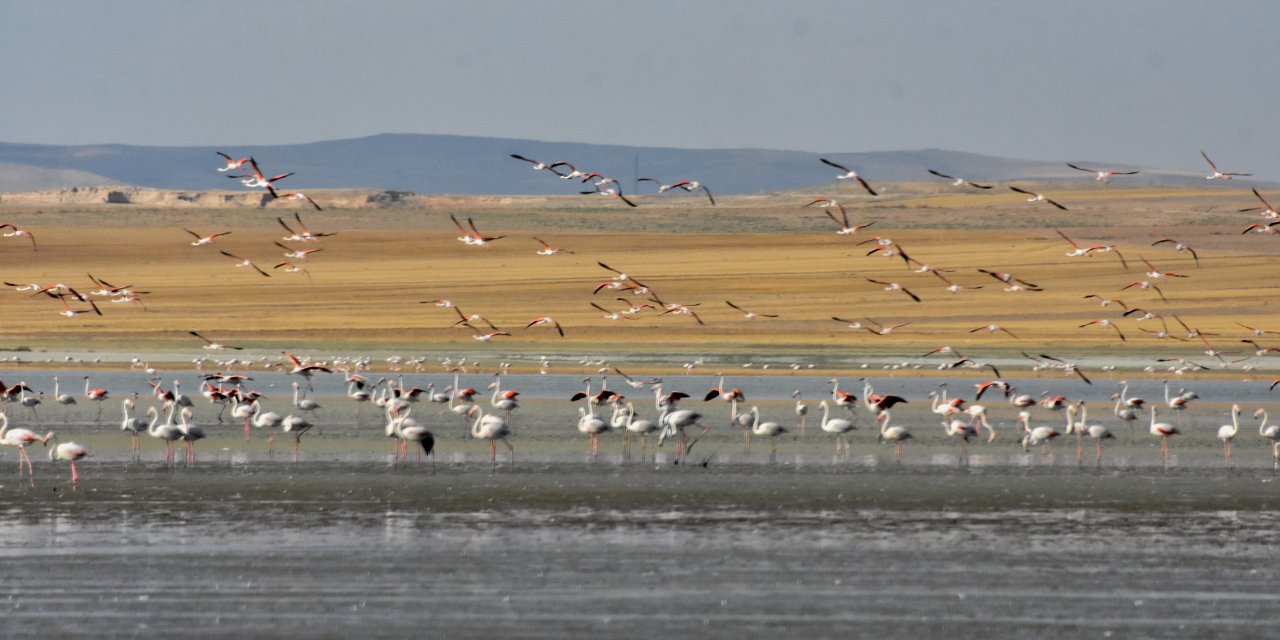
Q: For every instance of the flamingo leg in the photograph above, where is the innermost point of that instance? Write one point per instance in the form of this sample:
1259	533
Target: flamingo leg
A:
75	475
1098	457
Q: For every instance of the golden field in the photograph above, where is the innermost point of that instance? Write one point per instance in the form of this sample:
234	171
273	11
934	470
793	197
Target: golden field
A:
766	253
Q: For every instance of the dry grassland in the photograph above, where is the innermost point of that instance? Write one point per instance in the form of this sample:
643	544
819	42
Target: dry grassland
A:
765	253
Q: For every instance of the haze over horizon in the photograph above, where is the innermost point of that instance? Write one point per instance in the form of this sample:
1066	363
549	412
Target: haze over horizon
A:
1140	83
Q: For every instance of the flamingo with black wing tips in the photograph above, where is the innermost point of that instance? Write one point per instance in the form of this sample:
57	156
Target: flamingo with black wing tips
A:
1105	323
679	309
852	324
1269	212
305	370
477	238
1077	250
1145	284
297	254
1257	332
611	315
200	240
473	317
1156	274
1220	175
849	174
298	195
573	171
541	166
291	267
952	287
1037	197
959	182
846	229
1103	175
1103	302
750	315
613	192
1162	430
1178	246
303	234
689	185
232	164
546	320
548	250
245	262
992	328
893	286
19	233
483	336
883	329
1010	279
210	344
259	180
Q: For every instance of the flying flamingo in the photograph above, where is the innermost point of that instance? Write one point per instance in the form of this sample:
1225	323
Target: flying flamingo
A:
298	195
257	179
1102	175
245	262
68	451
893	286
200	240
1228	432
1178	246
1269	212
546	320
548	250
959	182
541	166
232	163
1105	323
1036	197
689	185
303	234
1219	175
306	371
19	233
492	428
849	174
750	315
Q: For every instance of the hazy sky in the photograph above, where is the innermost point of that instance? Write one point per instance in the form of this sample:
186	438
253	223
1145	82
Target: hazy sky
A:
1127	82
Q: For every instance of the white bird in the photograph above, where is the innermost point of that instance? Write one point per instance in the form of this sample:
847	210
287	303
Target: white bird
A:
837	427
191	432
1037	436
68	451
62	398
296	425
849	174
1228	432
168	432
802	411
770	430
1220	175
17	437
591	425
303	403
1270	432
135	425
268	420
492	428
641	428
1163	430
895	434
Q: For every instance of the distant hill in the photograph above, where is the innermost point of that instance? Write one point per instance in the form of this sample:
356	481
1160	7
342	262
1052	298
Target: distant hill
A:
431	164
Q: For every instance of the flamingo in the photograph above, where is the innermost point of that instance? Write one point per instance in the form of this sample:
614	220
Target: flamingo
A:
304	403
1037	197
548	250
641	428
27	401
135	425
750	315
303	234
297	426
1178	246
232	163
840	398
1219	175
1103	175
770	430
241	410
1038	436
959	182
168	432
674	422
849	174
298	195
269	420
257	179
1128	414
895	434
202	240
836	426
955	427
592	426
503	400
68	451
409	431
62	398
492	428
546	320
306	371
245	262
190	434
1228	432
1163	430
689	185
1271	433
214	346
20	438
19	233
802	411
541	166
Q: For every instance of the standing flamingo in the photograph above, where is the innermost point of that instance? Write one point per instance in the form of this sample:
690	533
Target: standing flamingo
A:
492	428
674	422
1270	432
168	432
298	426
410	431
895	434
68	451
20	438
135	425
270	420
641	428
836	426
1095	431
593	426
191	432
770	430
1038	436
1163	430
802	411
1228	432
304	403
62	398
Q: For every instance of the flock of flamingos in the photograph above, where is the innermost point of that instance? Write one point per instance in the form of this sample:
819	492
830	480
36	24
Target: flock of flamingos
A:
605	410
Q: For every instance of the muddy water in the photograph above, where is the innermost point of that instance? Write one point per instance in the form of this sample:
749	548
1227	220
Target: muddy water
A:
342	544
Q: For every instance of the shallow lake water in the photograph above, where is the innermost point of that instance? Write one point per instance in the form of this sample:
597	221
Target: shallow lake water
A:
343	543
